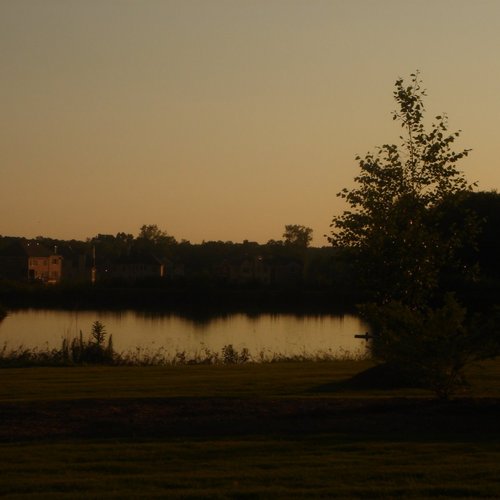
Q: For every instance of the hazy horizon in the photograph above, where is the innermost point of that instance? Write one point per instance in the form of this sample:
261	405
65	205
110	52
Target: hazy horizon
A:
223	120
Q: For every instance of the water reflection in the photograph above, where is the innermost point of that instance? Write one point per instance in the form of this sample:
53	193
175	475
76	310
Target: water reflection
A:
261	334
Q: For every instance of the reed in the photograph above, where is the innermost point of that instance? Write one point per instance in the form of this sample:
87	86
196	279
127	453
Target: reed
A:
80	351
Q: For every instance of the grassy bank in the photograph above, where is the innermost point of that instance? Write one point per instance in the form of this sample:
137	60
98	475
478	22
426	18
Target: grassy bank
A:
181	381
188	381
284	430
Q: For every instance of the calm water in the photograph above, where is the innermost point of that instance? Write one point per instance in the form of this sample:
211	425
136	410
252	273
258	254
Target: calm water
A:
282	333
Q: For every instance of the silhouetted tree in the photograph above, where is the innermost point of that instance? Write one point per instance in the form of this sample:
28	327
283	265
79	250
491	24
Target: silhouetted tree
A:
395	231
392	225
155	235
152	240
300	236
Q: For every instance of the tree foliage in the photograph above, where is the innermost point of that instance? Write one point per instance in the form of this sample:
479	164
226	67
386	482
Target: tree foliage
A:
152	240
399	231
393	224
152	233
297	235
432	346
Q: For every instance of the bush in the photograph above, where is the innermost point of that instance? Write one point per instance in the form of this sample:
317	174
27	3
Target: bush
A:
231	356
431	347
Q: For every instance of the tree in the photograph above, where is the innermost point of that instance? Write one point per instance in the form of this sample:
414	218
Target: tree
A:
152	233
393	226
152	240
395	230
299	236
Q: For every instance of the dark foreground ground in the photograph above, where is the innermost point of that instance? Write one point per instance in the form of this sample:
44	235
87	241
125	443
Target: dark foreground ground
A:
162	418
275	431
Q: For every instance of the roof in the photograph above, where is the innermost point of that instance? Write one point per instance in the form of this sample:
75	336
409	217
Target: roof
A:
19	247
35	249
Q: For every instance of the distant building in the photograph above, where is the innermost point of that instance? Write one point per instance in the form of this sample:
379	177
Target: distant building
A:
261	270
23	260
132	269
43	265
47	269
76	267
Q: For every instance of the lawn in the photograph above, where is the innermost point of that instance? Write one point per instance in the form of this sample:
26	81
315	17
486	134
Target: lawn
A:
283	430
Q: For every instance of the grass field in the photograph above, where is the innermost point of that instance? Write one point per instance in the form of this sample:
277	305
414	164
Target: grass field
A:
284	430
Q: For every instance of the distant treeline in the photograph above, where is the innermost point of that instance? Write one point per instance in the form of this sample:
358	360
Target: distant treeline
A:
153	269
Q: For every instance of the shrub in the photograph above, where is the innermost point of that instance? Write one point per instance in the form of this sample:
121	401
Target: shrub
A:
430	347
231	356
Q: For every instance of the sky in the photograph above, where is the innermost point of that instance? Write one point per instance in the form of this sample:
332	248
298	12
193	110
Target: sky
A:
224	119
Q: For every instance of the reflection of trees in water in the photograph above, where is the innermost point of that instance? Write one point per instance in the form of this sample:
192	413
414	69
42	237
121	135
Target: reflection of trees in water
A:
199	317
203	317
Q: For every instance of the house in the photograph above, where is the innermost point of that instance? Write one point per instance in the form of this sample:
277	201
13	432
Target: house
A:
76	266
43	265
24	260
132	269
266	271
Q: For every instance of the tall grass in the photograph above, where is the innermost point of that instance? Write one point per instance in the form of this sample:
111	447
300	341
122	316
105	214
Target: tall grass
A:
80	351
98	349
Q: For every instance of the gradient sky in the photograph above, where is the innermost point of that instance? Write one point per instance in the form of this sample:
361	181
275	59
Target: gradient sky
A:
223	119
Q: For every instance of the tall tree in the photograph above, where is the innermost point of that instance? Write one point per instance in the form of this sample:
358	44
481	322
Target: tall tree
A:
154	234
300	236
393	225
394	229
152	240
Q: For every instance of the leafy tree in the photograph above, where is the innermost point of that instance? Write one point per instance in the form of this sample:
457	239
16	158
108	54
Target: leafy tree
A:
396	231
300	236
152	240
485	205
155	235
393	224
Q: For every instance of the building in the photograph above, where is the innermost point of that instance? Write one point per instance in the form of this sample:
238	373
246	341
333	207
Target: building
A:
43	265
270	271
23	260
132	269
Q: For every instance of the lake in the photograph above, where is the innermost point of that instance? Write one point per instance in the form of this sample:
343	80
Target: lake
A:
264	335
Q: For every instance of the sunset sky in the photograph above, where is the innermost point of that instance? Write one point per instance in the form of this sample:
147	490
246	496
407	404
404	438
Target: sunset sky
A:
224	119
